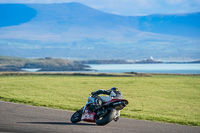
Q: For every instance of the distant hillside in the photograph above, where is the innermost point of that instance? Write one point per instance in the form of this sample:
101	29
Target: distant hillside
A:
148	61
74	30
187	25
45	64
63	17
104	62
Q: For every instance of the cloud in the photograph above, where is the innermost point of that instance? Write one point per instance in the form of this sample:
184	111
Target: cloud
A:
130	7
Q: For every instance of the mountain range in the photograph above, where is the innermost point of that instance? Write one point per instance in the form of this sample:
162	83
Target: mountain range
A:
76	31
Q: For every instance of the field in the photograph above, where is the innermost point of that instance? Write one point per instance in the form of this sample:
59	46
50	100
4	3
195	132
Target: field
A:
164	98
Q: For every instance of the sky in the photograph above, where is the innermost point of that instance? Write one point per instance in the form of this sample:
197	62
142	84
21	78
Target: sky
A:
130	7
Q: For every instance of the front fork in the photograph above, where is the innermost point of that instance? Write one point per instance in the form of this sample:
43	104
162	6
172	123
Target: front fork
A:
101	112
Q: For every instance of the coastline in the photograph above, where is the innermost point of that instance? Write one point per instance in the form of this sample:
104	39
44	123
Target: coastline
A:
126	74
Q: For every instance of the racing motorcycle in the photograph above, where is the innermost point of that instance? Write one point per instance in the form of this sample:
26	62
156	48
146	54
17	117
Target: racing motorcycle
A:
100	110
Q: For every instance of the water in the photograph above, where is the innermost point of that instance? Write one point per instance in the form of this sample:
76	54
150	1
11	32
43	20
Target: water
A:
147	68
30	69
142	68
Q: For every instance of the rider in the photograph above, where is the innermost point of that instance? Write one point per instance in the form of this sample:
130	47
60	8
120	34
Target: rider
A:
113	93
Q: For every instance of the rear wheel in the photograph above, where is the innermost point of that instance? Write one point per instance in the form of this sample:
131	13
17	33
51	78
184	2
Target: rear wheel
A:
76	117
106	118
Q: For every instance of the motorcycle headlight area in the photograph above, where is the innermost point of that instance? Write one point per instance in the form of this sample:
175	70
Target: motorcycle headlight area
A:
91	100
98	101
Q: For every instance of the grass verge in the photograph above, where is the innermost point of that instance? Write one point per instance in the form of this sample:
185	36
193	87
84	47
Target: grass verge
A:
164	98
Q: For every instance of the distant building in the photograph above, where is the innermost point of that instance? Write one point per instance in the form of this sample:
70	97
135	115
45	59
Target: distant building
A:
151	60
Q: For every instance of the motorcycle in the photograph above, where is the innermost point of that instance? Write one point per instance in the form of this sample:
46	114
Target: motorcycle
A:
100	110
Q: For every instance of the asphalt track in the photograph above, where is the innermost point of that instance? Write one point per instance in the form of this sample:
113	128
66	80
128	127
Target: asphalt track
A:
30	119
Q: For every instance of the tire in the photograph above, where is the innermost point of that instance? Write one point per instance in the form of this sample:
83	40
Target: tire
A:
76	117
106	119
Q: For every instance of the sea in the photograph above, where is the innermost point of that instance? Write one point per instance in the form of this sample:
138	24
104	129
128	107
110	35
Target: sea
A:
147	68
140	68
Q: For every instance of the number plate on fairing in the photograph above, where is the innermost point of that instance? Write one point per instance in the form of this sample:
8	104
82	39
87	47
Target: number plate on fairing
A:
89	117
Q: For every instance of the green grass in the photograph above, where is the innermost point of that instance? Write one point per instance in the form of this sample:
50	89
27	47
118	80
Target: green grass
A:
164	98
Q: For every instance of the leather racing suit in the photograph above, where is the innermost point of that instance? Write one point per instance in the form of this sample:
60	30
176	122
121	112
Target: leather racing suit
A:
112	94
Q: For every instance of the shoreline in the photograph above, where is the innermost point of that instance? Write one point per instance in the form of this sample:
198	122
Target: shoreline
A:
126	74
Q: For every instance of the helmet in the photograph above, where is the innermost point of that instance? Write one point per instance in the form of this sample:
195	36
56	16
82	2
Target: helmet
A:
114	89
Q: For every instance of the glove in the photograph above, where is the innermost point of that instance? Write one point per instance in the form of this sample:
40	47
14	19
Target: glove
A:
93	93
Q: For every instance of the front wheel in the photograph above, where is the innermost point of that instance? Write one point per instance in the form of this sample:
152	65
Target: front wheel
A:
76	117
107	118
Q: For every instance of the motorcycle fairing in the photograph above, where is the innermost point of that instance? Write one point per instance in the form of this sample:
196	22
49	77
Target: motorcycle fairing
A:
89	117
114	100
118	104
